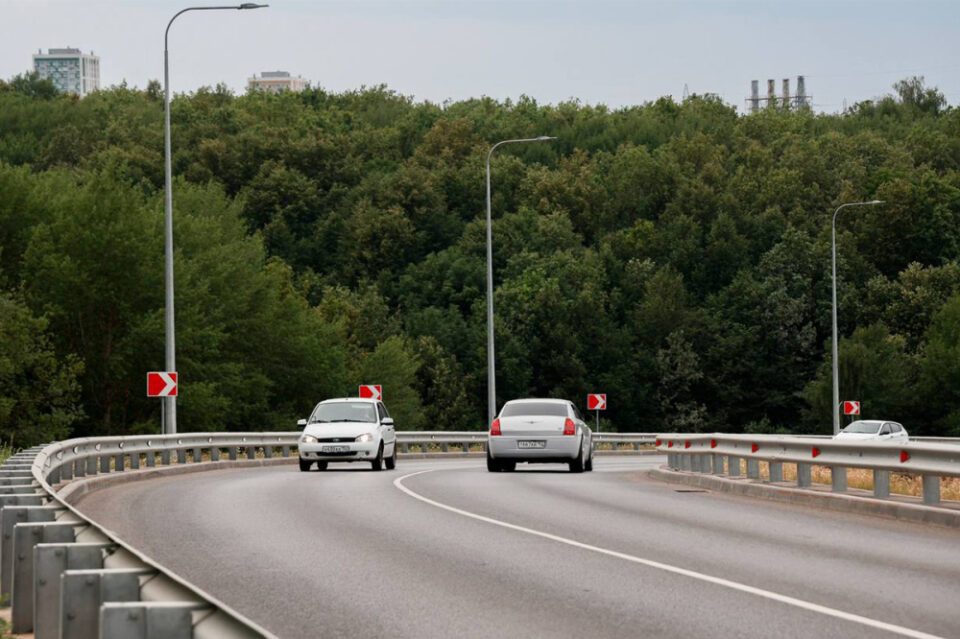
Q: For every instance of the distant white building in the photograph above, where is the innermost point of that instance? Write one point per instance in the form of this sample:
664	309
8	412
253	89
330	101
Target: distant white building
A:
70	70
276	81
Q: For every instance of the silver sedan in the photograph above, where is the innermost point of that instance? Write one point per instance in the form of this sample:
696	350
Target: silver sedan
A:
539	431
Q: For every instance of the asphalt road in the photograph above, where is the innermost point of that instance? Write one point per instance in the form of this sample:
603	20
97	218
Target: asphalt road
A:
459	552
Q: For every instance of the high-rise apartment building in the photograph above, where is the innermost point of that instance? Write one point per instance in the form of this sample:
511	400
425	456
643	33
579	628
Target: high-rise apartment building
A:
70	70
276	81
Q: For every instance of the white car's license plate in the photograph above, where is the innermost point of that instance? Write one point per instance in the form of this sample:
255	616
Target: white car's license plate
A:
334	449
531	444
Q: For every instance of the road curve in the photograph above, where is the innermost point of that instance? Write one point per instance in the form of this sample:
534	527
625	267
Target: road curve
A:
456	551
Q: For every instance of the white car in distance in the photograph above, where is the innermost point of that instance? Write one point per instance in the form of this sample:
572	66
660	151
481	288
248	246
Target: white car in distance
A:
539	431
873	429
348	430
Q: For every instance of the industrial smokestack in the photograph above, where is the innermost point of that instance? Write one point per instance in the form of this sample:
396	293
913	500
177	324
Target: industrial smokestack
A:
754	96
801	92
786	93
771	92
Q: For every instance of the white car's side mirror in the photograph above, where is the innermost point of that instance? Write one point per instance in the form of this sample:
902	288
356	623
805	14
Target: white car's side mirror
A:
301	422
387	421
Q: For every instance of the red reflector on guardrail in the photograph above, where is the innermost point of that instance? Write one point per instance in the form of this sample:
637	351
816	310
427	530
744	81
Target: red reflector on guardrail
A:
904	456
754	448
816	451
658	442
686	444
670	444
713	443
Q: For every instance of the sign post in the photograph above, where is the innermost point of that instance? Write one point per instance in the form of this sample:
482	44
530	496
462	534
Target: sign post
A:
597	402
371	391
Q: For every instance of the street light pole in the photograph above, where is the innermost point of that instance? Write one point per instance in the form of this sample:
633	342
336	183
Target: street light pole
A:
836	368
170	403
491	372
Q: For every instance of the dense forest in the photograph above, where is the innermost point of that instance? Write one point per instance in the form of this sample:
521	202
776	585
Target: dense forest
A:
675	256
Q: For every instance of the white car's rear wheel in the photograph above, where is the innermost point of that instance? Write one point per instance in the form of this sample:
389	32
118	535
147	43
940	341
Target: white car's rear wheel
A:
391	461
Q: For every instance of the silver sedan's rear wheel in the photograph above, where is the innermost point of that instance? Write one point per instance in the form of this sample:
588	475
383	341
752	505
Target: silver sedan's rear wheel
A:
493	465
576	466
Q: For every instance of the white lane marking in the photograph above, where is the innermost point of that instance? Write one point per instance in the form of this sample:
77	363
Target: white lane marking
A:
766	594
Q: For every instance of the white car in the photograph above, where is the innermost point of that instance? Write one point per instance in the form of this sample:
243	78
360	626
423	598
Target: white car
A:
349	429
873	429
539	431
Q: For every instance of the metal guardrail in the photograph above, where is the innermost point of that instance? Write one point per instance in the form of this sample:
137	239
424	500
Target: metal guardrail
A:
721	454
67	576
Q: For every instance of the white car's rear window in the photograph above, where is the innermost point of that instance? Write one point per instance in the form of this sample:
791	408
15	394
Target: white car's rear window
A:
534	408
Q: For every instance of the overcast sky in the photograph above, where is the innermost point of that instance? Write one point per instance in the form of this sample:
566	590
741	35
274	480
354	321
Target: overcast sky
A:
616	53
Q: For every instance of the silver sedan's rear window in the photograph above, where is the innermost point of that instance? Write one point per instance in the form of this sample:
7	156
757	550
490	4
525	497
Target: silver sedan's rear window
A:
534	408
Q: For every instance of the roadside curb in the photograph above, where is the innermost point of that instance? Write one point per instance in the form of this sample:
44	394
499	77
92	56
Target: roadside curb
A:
830	501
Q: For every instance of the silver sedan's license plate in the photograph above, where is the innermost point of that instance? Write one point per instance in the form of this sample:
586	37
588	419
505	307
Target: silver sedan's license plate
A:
539	443
334	449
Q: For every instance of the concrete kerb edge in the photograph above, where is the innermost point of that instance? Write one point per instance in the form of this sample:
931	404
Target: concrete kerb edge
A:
831	501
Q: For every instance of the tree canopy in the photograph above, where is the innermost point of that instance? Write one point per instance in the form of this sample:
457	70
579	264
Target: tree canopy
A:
675	256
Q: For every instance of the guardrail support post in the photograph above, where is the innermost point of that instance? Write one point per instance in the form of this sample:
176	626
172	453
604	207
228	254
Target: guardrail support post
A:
931	489
165	457
50	561
153	620
425	447
404	448
79	467
803	475
717	464
286	450
214	453
181	455
9	517
733	466
251	452
268	451
753	469
838	479
85	591
134	461
685	463
25	537
881	484
151	458
91	465
66	471
776	472
118	464
197	455
105	464
233	452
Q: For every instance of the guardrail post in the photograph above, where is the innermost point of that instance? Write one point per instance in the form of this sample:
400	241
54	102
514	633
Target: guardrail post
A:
425	447
268	451
753	469
155	620
881	484
636	446
733	466
181	455
404	448
66	471
776	472
838	479
79	467
50	561
251	452
25	537
165	457
803	475
9	517
105	463
286	450
693	464
233	452
717	464
931	489
134	461
706	463
119	464
85	591
214	453
197	454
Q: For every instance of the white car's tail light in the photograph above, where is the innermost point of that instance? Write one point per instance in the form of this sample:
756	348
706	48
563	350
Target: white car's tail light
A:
569	428
495	427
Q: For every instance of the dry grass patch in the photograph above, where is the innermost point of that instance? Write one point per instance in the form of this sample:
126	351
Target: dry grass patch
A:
900	483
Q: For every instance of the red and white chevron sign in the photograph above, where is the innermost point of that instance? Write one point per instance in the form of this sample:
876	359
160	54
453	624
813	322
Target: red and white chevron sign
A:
371	391
161	384
851	408
597	401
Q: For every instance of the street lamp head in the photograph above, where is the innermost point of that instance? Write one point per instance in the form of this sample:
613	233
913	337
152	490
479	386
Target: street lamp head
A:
872	202
544	138
252	5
